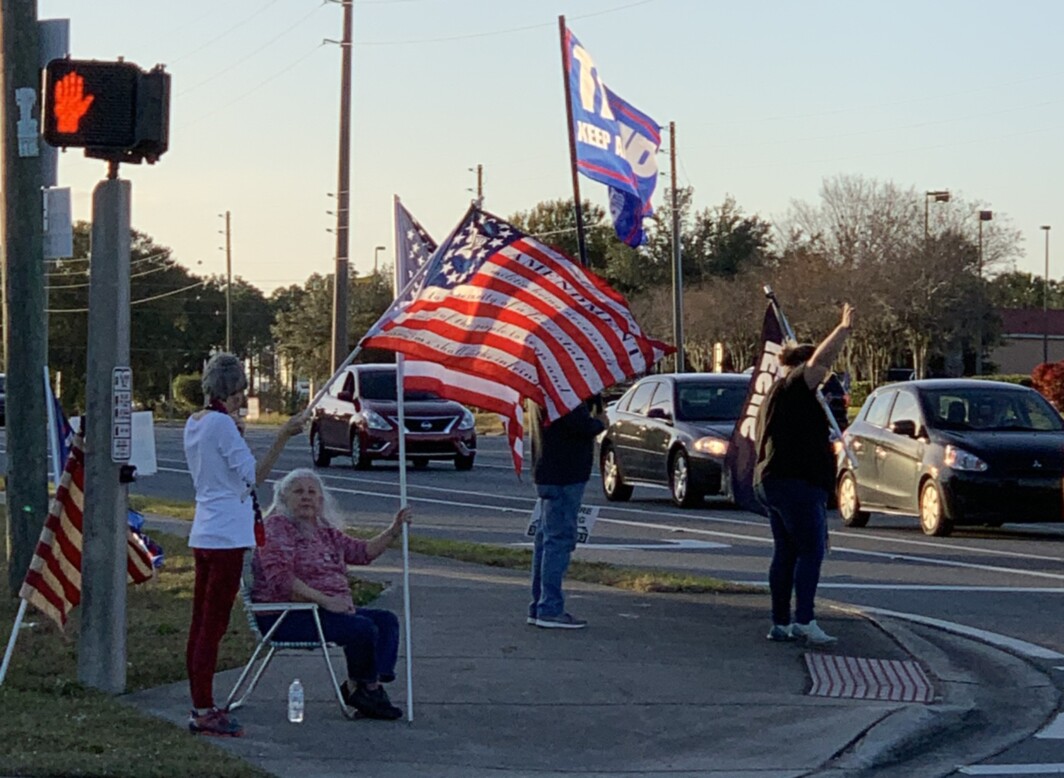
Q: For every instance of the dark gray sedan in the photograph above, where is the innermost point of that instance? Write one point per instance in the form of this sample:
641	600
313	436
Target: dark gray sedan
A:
954	452
673	431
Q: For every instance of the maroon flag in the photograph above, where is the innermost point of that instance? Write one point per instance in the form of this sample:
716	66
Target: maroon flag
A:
499	304
53	582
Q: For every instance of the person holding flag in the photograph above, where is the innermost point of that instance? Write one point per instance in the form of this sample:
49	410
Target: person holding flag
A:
794	473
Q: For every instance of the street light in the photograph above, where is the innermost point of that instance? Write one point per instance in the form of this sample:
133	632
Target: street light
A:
984	216
376	250
939	196
1045	302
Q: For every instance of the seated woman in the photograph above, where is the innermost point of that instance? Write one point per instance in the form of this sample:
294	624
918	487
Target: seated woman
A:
305	559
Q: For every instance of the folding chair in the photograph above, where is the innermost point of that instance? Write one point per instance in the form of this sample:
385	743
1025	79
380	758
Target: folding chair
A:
266	641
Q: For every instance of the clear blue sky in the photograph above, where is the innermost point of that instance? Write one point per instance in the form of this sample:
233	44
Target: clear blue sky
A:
769	98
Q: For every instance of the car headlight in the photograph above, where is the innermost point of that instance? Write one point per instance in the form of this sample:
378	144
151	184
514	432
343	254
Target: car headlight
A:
375	421
467	422
959	459
713	446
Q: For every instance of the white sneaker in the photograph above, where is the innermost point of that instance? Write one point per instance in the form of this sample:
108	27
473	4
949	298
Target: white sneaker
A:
780	633
812	633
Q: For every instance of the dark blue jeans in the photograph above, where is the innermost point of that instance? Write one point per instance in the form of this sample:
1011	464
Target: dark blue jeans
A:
369	637
798	515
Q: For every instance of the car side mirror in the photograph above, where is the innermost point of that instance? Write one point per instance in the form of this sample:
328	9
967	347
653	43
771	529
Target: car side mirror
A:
906	427
659	413
345	396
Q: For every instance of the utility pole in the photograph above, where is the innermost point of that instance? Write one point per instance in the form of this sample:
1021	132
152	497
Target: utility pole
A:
25	327
228	286
677	262
340	348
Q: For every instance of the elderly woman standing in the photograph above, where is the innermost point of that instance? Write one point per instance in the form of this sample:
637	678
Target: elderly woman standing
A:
305	559
224	474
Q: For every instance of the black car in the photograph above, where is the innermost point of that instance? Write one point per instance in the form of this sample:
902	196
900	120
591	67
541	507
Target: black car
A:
838	399
358	417
672	430
954	452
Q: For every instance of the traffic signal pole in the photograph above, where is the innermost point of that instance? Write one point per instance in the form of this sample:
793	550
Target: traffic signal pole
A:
102	640
25	329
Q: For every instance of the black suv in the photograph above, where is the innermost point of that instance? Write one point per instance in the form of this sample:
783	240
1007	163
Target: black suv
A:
838	399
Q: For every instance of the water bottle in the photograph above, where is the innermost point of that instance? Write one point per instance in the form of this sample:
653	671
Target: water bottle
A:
295	702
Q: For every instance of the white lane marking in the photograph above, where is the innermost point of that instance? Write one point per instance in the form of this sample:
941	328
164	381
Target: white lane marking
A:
528	501
931	587
1054	730
1013	769
1015	645
665	545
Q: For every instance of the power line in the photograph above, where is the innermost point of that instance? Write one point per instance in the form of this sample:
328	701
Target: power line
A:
222	34
133	302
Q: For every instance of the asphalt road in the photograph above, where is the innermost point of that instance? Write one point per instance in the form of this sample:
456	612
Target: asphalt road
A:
1007	581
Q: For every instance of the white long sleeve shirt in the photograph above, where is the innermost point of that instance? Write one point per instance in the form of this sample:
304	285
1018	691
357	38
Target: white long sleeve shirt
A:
223	474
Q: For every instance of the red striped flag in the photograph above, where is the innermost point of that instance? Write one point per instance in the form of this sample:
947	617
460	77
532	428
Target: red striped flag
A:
414	248
53	582
498	304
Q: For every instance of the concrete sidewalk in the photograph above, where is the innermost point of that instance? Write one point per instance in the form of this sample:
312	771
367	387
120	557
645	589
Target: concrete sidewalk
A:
677	685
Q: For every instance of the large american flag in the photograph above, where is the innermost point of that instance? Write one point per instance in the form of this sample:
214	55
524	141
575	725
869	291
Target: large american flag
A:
498	304
53	582
414	248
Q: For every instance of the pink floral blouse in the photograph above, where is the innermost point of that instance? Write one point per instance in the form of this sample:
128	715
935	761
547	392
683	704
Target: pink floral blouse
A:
320	560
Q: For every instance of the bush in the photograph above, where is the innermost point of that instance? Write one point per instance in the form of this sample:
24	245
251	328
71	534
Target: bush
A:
1007	378
1048	379
188	392
859	391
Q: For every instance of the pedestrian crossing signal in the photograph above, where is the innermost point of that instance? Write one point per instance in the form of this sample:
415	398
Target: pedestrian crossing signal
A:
114	110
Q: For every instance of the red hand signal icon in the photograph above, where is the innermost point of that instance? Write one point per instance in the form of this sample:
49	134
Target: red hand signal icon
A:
71	102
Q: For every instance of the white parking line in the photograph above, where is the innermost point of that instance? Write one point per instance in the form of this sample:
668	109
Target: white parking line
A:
1054	730
1013	769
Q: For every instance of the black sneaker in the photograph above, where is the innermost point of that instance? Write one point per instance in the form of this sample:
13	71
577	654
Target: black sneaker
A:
374	704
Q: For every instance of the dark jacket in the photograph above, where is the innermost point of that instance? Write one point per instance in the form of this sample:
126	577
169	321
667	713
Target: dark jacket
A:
562	452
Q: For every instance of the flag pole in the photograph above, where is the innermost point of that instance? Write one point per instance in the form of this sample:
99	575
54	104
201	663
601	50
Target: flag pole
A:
11	641
400	271
577	208
677	260
53	429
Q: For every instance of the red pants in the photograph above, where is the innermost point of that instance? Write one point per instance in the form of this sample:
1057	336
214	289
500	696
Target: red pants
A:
217	582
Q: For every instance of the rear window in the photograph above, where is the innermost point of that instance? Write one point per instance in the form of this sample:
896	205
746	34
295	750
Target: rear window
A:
380	385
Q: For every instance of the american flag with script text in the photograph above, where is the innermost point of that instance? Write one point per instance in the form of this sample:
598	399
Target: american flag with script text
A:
53	582
498	304
414	248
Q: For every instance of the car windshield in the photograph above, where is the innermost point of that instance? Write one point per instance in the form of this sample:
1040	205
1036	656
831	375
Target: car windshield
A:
709	402
989	409
380	385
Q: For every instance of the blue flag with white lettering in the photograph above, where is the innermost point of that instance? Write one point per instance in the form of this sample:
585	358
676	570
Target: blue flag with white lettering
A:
616	144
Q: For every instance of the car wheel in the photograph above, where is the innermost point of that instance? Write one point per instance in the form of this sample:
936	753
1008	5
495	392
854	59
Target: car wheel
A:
420	463
613	486
684	493
321	457
849	506
933	520
464	462
359	458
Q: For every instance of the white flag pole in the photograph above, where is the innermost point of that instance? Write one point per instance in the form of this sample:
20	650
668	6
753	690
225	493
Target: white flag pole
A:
53	430
11	641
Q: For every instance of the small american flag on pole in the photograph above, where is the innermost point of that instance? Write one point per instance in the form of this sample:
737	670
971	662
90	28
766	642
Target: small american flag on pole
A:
501	305
53	581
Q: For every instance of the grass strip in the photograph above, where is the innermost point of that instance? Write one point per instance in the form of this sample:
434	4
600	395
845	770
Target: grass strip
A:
52	725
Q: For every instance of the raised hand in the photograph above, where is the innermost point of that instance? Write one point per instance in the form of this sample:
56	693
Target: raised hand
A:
71	102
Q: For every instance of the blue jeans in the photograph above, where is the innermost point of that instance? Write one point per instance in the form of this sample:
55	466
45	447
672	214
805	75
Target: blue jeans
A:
555	541
369	637
798	515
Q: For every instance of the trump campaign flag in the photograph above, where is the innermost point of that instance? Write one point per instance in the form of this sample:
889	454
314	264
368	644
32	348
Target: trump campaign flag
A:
499	304
53	581
616	144
742	449
414	247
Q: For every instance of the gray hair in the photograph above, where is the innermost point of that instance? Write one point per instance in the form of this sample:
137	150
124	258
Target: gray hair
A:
282	491
224	375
